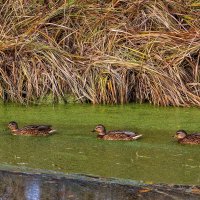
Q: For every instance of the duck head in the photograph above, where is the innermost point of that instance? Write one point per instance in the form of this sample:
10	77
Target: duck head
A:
13	126
100	129
180	134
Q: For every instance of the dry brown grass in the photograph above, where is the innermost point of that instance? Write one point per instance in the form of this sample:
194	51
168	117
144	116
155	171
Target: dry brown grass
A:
101	51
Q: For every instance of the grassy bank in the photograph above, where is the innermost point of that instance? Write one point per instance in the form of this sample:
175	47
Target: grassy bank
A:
100	51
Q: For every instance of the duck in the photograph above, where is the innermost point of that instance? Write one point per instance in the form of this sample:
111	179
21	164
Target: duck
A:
114	135
184	138
30	130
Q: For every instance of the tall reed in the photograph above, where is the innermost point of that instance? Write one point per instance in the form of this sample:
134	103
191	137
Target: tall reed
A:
100	51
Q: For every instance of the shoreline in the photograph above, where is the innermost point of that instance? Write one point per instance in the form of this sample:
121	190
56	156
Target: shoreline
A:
40	184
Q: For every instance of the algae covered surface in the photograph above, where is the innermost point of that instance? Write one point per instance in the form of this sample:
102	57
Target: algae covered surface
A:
155	158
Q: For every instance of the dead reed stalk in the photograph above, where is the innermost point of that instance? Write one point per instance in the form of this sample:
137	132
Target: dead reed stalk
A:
101	51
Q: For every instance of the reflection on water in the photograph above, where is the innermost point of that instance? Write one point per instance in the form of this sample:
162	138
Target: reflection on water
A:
22	186
155	158
32	189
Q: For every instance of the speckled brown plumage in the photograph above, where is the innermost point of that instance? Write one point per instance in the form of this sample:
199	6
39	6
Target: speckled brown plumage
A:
30	130
190	139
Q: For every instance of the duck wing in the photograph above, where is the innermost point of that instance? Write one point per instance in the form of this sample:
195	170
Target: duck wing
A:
38	127
196	134
121	135
44	127
127	133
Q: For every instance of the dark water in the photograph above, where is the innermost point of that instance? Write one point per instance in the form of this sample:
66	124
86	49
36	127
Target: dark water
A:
23	186
156	158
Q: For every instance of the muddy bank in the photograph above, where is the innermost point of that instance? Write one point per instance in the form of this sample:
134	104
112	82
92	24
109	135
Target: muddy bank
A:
34	186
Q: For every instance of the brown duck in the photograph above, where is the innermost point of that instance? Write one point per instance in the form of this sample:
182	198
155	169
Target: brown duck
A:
115	135
30	130
185	138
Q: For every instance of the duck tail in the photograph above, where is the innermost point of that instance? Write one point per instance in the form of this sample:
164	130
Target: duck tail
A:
136	137
52	131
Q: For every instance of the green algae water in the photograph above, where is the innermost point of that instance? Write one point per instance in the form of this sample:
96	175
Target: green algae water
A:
155	158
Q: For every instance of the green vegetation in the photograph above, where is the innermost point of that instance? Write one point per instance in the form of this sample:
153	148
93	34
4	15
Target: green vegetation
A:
100	51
